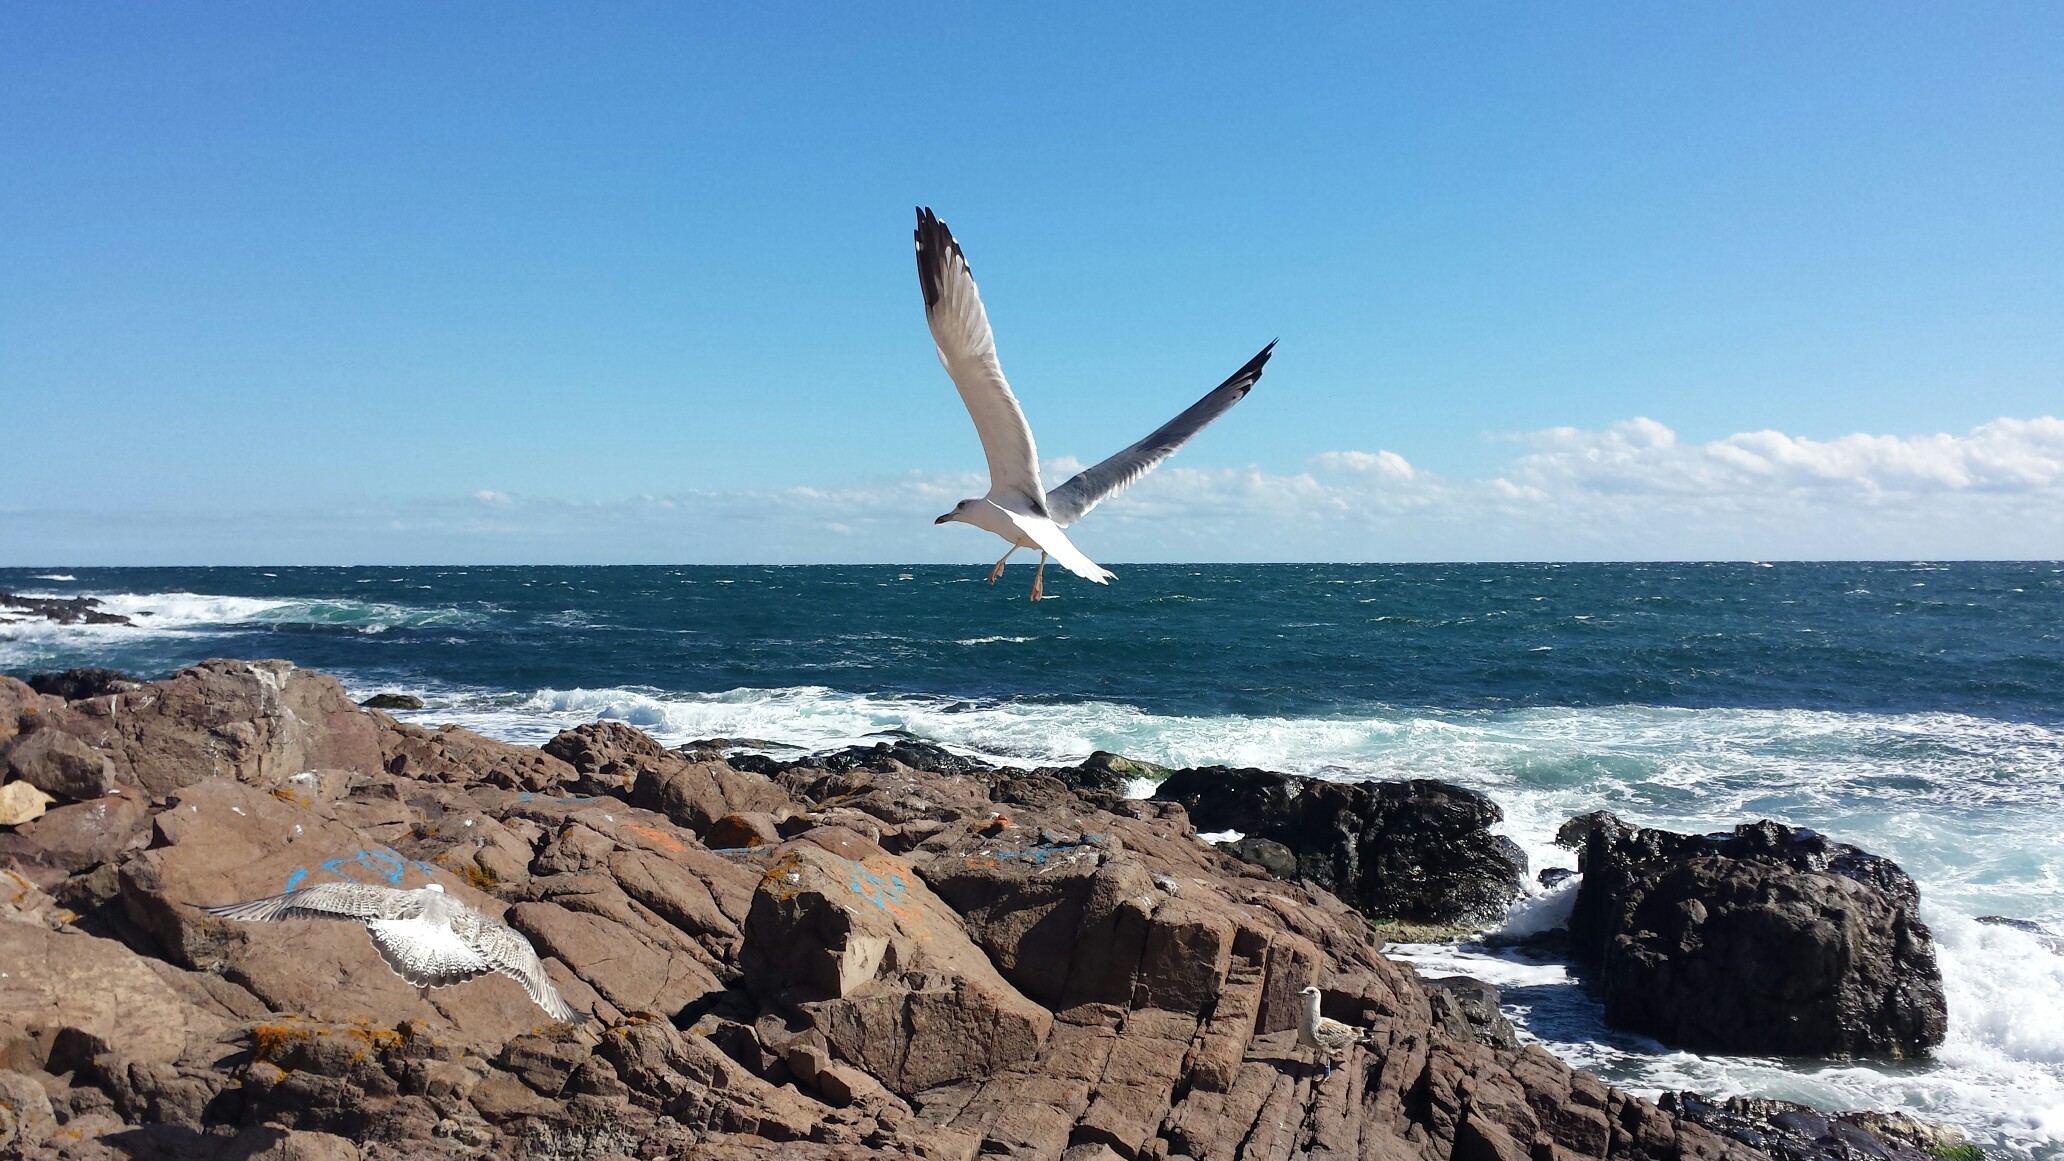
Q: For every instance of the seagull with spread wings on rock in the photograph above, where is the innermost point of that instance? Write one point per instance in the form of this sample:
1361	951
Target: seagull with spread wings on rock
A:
429	938
1017	507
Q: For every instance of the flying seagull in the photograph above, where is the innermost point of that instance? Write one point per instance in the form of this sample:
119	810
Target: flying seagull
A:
427	937
1328	1038
1017	508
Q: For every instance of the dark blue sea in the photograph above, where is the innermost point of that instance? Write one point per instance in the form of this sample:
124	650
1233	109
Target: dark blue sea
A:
1916	709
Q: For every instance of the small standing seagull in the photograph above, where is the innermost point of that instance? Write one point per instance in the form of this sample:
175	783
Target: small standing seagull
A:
1328	1038
427	937
1017	508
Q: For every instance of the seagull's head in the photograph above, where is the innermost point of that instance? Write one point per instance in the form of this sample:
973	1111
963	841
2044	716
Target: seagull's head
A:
437	887
1308	992
957	513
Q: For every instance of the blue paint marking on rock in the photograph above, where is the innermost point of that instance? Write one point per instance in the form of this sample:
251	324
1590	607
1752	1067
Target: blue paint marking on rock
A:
876	889
385	864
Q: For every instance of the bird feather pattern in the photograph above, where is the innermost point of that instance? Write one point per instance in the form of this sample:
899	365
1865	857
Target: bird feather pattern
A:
427	937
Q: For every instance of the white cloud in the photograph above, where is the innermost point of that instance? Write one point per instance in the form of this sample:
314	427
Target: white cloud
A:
1630	491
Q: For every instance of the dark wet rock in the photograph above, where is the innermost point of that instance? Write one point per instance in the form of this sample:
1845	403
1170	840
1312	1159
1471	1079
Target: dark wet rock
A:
392	701
1418	851
78	684
1769	939
916	755
1554	876
2043	935
63	610
1268	854
1795	1132
1468	1009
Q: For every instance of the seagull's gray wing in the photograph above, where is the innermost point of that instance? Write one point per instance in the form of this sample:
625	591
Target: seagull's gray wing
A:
511	954
355	901
960	328
1073	500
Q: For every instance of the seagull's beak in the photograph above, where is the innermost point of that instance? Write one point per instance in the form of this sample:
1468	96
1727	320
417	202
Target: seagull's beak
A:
943	519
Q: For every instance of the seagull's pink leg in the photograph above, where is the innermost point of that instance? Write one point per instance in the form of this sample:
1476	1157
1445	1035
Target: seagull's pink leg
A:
1039	578
998	570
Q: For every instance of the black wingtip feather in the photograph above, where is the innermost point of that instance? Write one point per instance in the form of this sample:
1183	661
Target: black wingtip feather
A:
1247	376
934	244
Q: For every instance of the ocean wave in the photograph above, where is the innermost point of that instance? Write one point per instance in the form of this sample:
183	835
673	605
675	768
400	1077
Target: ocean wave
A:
54	576
182	615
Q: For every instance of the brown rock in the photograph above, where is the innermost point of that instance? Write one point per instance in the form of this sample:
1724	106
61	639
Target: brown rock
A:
460	757
21	705
744	829
57	980
73	838
627	969
26	1118
850	937
61	765
615	758
258	721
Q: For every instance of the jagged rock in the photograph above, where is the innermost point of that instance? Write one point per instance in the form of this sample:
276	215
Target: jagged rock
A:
61	765
2043	935
85	682
850	938
73	838
21	802
1268	854
63	610
392	701
460	757
98	991
1041	968
26	1118
22	707
258	721
618	759
1797	1132
1770	939
1418	851
1468	1009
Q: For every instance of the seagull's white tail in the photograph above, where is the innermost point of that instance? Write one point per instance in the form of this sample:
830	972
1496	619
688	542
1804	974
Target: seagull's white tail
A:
1055	543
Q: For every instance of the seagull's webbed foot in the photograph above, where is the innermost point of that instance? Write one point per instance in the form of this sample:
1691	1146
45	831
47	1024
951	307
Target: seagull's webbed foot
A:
996	572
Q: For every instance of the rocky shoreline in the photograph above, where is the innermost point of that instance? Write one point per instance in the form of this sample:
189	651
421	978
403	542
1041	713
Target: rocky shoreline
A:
884	951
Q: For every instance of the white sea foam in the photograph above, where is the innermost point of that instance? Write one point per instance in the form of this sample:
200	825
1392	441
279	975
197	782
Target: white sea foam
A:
54	576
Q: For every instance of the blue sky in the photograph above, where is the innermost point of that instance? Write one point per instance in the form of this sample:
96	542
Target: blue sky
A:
398	283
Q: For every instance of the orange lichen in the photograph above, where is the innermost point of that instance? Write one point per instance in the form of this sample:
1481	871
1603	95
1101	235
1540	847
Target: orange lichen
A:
275	1042
270	1042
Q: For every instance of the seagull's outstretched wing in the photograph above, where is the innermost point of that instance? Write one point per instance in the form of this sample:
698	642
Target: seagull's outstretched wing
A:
960	328
511	954
1091	486
359	902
